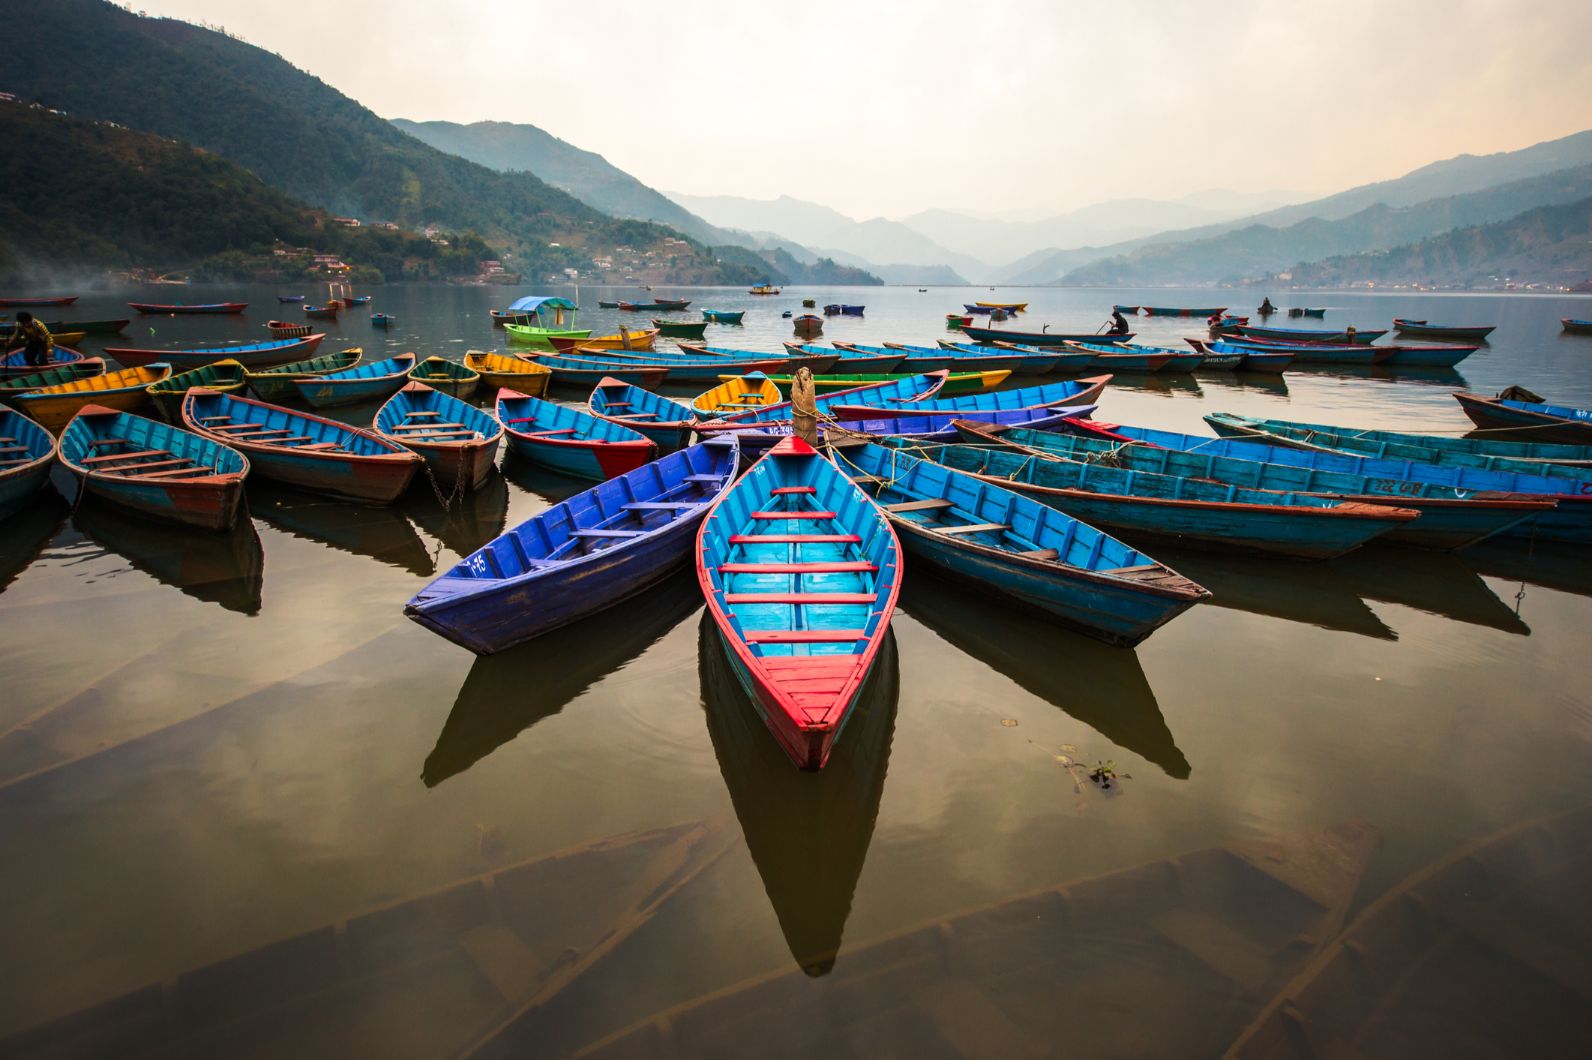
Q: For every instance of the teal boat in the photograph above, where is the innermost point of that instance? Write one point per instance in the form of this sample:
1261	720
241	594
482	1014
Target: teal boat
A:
276	384
723	316
666	422
866	404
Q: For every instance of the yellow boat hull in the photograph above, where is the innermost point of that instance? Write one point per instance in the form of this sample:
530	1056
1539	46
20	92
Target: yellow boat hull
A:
126	390
738	395
498	370
1016	307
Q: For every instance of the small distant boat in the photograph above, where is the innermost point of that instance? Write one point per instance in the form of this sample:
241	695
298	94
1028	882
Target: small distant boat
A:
358	299
808	325
1538	421
498	370
681	329
38	301
1010	307
979	310
1576	327
374	381
764	288
809	303
60	329
643	339
801	653
158	309
723	316
286	298
852	310
1310	312
1125	310
52	407
568	440
668	423
322	312
302	450
25	459
224	377
642	307
672	304
786	315
607	305
281	329
832	309
580	556
382	320
276	384
953	320
155	469
249	354
450	377
1179	311
1443	331
737	395
1002	542
458	441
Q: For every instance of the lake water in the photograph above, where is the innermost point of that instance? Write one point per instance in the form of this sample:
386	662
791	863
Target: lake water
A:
212	743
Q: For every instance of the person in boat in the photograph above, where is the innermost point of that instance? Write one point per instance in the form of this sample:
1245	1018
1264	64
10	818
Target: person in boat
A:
34	340
1119	323
1266	308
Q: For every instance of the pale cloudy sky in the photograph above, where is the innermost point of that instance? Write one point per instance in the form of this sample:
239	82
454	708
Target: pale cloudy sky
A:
886	107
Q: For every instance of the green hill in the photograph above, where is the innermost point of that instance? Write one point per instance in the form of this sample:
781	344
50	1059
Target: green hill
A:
298	134
1549	245
92	195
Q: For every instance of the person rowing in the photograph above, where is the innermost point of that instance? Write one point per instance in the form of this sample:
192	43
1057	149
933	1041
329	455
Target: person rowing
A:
1119	323
34	340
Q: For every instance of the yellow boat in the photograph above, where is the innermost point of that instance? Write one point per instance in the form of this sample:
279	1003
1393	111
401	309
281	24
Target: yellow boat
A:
740	394
499	370
54	406
69	339
625	340
1015	307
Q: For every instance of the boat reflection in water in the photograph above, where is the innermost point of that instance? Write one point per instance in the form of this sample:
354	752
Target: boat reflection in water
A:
1102	686
1158	384
506	693
225	568
1313	594
469	521
24	535
808	833
1550	564
380	533
1438	583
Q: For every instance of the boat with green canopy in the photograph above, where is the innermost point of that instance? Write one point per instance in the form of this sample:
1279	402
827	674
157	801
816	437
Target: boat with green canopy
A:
535	319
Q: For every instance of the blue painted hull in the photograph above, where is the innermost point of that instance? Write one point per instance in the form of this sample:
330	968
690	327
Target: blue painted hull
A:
23	474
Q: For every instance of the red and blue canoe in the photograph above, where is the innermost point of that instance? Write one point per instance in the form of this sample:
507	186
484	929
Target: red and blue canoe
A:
1536	421
1313	335
180	309
155	469
1084	391
248	354
801	572
26	452
16	363
581	555
458	441
301	450
666	422
373	381
568	440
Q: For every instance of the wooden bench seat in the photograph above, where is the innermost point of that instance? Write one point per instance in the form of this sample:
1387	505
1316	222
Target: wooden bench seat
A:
606	533
795	539
106	457
792	515
785	491
837	567
927	504
970	528
802	636
800	598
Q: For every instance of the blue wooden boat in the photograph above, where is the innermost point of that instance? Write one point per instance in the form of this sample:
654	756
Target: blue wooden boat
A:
892	395
1013	545
1164	358
581	555
1427	356
568	440
1458	506
16	362
276	384
26	453
1042	338
801	572
1538	421
979	310
1334	338
1125	310
682	368
458	441
1537	458
382	320
155	469
857	405
1443	331
1180	509
1244	357
1065	360
359	299
1576	327
852	310
371	381
1034	361
815	358
249	354
939	428
972	358
849	359
668	423
1180	311
1318	352
579	372
915	362
723	316
302	450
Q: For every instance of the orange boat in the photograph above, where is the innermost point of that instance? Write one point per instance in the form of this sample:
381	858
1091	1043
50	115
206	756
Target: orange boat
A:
625	340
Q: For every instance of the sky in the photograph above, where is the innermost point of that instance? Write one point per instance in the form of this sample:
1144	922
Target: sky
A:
885	108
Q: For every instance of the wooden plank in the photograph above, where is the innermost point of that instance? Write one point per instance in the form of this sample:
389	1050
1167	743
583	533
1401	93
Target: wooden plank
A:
196	470
606	533
659	506
549	434
782	491
970	528
802	636
1216	945
792	515
927	504
139	470
839	567
125	456
100	441
1040	553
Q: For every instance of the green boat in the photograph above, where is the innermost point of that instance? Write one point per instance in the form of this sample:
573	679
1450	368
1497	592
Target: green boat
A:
275	384
958	383
530	335
53	376
450	377
681	329
226	377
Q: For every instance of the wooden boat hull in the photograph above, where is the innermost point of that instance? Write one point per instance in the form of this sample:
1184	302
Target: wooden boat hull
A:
667	423
499	370
1171	311
1428	356
1034	338
465	465
860	362
1576	327
250	355
212	309
1442	331
1490	414
37	303
336	389
452	380
491	612
1048	395
718	316
530	335
87	368
1309	335
580	460
221	377
956	384
566	374
681	329
25	465
124	391
17	363
276	385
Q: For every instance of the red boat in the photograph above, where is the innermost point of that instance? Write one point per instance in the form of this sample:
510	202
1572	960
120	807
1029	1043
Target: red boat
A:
249	354
25	303
211	308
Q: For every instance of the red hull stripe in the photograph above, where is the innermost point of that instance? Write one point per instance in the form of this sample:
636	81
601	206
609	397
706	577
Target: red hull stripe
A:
780	491
800	598
793	515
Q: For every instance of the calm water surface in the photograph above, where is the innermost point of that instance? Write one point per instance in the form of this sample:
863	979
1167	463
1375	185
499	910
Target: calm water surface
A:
212	743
